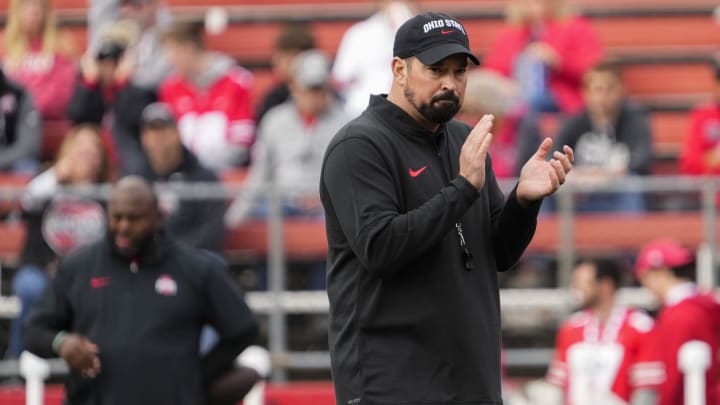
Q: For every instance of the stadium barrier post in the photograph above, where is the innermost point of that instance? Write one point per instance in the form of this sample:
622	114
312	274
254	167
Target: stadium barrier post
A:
706	274
566	239
694	359
35	370
277	332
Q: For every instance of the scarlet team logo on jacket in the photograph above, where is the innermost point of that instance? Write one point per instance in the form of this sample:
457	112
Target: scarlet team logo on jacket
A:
165	285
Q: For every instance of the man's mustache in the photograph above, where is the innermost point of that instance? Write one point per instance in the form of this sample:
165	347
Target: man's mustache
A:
449	96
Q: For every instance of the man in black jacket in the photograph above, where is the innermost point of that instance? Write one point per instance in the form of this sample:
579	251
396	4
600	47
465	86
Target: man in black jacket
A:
611	137
195	221
126	312
417	228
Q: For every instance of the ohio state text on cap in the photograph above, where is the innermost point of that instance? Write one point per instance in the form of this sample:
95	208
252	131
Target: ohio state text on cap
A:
432	37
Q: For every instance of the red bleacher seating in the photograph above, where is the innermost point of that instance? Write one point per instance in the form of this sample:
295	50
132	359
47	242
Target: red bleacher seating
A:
592	233
669	129
668	79
299	393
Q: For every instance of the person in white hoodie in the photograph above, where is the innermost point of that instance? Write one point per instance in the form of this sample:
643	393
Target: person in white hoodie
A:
365	52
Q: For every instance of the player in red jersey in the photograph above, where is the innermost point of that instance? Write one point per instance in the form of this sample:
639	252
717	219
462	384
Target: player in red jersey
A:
603	353
667	268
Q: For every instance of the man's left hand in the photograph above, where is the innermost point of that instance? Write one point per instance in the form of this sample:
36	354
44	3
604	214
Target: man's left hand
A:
540	178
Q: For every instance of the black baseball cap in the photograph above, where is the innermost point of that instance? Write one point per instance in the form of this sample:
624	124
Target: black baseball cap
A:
157	115
432	37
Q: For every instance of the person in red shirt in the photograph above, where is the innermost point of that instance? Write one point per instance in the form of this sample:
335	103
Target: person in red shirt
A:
547	49
40	56
667	268
701	146
603	353
210	97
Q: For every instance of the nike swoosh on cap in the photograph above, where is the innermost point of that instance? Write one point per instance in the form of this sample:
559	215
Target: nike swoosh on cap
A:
443	32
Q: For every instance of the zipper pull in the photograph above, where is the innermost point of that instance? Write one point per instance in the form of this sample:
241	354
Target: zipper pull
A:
133	267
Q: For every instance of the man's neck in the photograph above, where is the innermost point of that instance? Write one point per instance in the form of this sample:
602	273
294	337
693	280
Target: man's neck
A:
172	165
678	290
603	309
198	67
604	120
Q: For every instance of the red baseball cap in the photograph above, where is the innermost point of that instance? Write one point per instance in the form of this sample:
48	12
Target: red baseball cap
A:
665	252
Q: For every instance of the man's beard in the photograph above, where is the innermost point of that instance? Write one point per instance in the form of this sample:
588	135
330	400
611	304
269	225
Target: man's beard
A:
438	113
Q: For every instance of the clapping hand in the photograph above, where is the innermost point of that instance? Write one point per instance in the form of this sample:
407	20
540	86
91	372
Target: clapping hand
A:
474	152
540	178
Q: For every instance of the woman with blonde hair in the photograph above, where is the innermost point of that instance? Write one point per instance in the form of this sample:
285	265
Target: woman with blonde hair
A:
546	47
39	56
61	213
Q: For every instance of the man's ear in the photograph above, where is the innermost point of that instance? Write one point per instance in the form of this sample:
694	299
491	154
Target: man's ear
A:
400	69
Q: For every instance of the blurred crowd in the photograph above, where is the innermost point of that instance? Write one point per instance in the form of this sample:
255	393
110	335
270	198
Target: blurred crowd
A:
148	97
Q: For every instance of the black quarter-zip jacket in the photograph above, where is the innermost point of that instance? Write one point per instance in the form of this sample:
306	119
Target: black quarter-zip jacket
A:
145	317
409	324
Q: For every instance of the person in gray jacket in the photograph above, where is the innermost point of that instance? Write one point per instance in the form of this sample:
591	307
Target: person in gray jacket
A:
291	142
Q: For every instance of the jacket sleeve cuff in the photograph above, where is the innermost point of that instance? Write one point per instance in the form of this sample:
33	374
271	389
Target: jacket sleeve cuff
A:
465	188
528	210
58	341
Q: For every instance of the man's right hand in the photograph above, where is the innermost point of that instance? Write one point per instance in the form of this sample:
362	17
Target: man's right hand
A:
474	152
80	354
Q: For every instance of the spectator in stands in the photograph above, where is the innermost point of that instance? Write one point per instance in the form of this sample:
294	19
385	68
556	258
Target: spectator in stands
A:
611	138
602	351
365	52
291	142
515	137
701	146
198	223
150	65
104	96
60	216
293	39
667	269
547	49
20	129
210	97
39	56
126	311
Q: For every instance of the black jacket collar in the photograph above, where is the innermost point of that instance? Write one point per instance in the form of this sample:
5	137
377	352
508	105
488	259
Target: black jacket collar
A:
401	122
152	254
